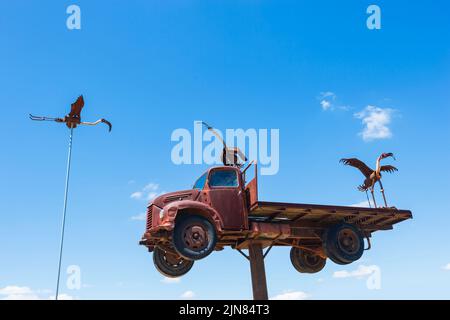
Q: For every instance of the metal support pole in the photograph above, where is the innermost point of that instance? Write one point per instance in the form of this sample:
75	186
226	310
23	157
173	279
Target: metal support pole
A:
368	200
64	212
258	271
382	192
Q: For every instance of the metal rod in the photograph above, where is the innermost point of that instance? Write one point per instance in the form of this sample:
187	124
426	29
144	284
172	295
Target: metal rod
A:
373	197
367	195
64	212
382	192
267	251
246	256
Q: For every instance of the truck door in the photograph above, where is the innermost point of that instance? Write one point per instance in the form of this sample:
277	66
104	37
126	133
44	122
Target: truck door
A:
226	196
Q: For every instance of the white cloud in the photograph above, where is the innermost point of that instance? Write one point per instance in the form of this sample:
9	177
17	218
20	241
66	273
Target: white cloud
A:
149	192
327	99
328	94
446	267
325	104
139	217
136	195
18	293
361	272
375	121
291	295
62	296
167	280
26	293
363	204
188	295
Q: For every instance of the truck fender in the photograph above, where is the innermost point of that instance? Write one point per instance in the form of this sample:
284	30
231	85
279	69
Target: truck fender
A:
175	208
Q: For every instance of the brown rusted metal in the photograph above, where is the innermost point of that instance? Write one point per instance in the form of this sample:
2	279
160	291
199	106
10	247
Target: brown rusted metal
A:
73	118
372	176
231	156
239	218
258	272
243	222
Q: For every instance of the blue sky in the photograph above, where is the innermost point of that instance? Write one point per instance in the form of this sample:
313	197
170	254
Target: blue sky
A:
151	67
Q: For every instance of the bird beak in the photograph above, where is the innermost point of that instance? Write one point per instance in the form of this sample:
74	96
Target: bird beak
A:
206	125
391	155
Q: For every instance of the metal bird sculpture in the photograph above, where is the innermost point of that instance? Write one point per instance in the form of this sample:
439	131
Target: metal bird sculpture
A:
73	119
230	156
372	176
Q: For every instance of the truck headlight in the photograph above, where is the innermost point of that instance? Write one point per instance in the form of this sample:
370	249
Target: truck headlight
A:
161	214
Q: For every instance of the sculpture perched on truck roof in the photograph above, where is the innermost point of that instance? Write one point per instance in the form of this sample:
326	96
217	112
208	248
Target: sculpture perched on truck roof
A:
231	156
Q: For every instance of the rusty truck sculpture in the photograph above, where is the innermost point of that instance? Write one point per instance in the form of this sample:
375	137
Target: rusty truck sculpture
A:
222	209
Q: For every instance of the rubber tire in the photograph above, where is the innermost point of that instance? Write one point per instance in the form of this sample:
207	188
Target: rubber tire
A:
332	249
168	270
299	261
181	247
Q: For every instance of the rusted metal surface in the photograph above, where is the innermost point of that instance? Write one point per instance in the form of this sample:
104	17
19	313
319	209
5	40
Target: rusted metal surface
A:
239	218
269	230
298	215
258	272
195	237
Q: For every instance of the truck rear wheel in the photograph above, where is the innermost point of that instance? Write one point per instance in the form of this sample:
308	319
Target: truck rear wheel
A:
306	262
343	243
170	264
194	237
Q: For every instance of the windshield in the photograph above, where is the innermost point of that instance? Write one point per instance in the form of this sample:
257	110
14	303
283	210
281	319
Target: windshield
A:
200	183
223	178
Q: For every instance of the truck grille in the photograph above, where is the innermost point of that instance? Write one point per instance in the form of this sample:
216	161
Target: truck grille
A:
149	217
177	197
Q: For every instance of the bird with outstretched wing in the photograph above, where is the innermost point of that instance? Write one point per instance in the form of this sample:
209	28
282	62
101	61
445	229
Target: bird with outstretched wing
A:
356	163
76	107
372	176
74	117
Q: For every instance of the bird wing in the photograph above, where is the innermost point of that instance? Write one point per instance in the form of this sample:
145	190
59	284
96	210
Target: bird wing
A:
388	168
75	108
365	170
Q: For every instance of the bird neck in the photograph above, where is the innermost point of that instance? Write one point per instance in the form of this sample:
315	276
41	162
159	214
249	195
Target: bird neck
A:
378	167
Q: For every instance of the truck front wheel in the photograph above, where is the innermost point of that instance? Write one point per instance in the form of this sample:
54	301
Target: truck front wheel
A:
343	243
306	262
194	237
170	264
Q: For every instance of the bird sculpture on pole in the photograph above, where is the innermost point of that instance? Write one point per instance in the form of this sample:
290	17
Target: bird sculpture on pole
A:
230	156
72	120
372	176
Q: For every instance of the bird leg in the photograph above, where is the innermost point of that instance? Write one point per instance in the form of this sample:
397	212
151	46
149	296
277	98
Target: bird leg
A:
373	197
368	200
36	118
382	192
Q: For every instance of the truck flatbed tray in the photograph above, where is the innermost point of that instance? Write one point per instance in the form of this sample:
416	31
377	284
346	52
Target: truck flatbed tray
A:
369	219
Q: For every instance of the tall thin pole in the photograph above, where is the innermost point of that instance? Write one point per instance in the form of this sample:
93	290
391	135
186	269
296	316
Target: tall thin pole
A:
64	212
258	271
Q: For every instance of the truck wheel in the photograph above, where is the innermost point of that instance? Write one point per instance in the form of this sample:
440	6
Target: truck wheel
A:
305	262
343	243
194	237
170	264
